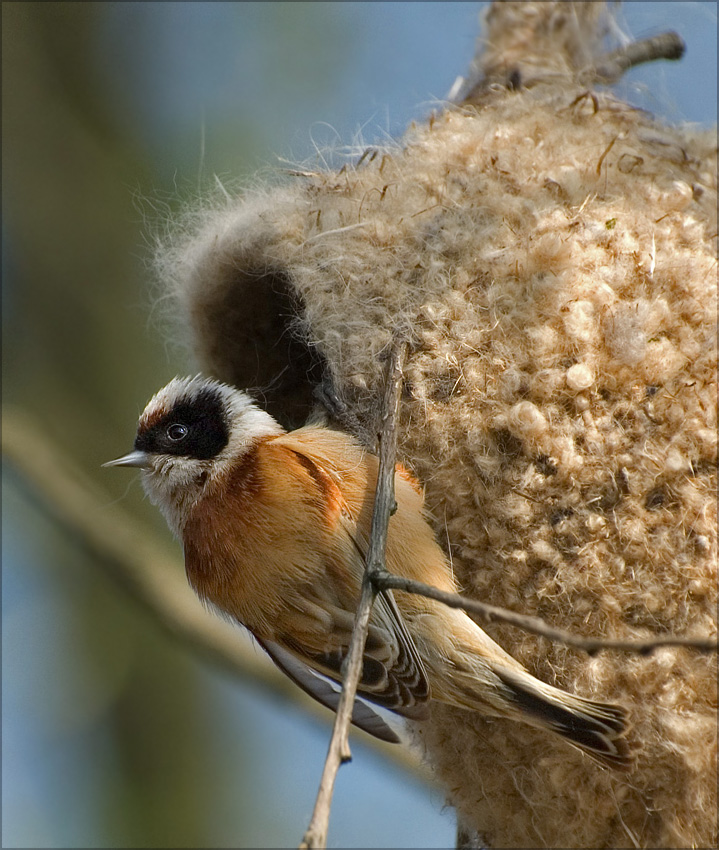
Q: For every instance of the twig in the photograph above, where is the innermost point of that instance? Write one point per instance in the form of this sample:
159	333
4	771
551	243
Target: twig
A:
136	559
608	69
612	66
388	581
339	750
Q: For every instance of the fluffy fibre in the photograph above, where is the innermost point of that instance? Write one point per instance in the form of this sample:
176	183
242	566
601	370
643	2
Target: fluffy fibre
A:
554	254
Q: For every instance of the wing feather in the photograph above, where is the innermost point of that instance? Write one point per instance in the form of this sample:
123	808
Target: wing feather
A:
362	715
393	673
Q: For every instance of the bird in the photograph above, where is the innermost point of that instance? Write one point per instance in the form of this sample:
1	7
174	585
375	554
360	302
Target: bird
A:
275	528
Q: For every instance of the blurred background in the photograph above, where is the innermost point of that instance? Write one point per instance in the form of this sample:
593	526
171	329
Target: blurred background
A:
114	116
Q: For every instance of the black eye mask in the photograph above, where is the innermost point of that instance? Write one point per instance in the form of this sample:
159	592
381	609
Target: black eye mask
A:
196	429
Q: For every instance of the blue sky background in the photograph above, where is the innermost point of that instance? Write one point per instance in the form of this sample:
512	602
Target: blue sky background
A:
192	74
194	90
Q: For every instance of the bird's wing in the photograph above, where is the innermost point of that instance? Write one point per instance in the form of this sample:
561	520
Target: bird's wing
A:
409	691
392	674
319	620
320	689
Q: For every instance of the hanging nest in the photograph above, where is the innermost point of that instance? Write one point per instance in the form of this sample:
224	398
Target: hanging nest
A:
553	252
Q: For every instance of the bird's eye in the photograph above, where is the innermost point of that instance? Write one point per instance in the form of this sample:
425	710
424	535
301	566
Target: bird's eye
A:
176	432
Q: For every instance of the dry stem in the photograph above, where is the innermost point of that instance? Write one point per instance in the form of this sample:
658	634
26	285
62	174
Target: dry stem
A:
613	65
387	581
384	504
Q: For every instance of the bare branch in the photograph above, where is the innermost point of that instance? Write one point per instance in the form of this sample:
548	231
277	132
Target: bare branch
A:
339	751
612	66
387	581
527	70
138	561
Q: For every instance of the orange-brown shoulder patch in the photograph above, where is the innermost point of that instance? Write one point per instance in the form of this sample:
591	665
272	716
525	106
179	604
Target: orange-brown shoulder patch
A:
403	472
332	498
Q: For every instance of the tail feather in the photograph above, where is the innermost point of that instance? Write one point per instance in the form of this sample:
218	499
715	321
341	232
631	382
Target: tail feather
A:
596	728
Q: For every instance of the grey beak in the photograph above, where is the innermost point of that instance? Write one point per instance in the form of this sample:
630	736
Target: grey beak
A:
142	460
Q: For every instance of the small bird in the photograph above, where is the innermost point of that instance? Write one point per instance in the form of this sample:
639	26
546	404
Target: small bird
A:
275	527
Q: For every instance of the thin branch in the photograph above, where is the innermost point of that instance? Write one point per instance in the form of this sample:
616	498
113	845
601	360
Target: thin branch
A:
141	564
384	504
612	66
388	581
608	69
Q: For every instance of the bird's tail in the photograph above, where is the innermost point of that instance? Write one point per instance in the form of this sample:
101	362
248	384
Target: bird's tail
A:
596	728
487	679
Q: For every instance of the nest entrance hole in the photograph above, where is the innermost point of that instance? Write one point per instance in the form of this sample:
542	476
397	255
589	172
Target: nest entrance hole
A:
252	340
